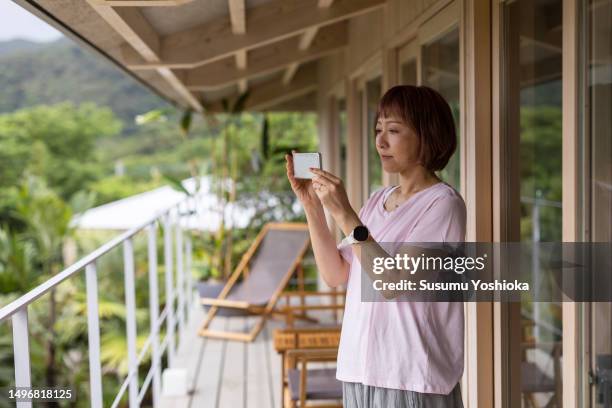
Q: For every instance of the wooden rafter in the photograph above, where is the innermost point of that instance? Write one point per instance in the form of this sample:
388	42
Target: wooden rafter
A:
238	21
142	39
272	93
305	41
142	3
290	72
213	41
241	59
243	85
237	16
308	37
267	60
241	66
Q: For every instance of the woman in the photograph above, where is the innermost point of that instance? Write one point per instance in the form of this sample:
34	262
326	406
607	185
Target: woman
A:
394	354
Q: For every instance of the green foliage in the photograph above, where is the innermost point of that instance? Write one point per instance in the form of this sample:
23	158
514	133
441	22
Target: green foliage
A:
186	121
540	159
114	188
47	218
16	254
56	143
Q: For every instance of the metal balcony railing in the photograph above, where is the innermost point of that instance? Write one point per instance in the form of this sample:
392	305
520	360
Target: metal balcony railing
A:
178	290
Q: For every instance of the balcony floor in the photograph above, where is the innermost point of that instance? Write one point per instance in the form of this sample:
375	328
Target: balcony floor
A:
224	373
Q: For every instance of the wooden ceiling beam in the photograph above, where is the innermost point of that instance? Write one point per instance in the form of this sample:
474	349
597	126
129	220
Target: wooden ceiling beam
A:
274	92
269	22
241	59
304	103
142	3
243	85
267	60
237	16
308	37
238	20
130	24
305	41
290	72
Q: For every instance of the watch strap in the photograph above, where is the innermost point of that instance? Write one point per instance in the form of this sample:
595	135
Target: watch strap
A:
347	241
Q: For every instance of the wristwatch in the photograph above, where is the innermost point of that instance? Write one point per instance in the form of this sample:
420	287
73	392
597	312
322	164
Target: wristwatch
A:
359	234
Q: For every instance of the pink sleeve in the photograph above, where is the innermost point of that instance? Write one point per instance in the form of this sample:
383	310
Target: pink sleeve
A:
444	221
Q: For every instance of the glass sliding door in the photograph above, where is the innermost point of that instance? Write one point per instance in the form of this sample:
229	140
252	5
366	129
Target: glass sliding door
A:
597	183
373	93
440	71
532	87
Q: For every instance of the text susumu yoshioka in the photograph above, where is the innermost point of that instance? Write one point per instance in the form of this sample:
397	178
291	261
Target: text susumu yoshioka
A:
485	271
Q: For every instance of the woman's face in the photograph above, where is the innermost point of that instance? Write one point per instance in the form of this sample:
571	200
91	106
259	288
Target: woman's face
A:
397	144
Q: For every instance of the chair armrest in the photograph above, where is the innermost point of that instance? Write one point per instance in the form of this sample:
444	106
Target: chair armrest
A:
236	304
300	308
312	293
306	330
328	354
293	311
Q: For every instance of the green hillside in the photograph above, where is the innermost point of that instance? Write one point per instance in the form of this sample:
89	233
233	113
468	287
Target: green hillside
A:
18	46
47	73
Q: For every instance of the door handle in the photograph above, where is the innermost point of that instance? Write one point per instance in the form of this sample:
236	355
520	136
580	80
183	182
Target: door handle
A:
603	379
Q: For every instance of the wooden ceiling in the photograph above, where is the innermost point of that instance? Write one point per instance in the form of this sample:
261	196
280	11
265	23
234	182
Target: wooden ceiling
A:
195	52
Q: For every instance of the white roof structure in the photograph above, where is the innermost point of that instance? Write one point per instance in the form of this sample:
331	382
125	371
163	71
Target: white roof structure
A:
134	211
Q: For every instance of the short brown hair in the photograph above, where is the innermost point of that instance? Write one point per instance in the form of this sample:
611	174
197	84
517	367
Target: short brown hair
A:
429	115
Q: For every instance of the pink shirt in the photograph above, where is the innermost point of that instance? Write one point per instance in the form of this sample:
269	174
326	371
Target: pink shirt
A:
414	346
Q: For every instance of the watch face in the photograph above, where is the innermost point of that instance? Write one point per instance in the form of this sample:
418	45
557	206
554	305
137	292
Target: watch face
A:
360	233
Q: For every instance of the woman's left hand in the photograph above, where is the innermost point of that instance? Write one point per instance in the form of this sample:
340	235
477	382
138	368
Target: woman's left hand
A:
331	192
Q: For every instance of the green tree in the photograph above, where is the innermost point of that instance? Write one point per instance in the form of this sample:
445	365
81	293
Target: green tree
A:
56	143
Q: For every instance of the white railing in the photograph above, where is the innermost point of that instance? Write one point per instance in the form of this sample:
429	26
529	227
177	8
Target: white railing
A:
179	289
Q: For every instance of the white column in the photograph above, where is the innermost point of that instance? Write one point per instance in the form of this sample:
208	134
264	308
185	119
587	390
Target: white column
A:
169	287
180	273
21	350
93	329
154	311
130	307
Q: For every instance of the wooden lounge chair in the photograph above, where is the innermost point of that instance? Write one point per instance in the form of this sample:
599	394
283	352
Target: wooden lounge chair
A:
299	347
294	312
266	268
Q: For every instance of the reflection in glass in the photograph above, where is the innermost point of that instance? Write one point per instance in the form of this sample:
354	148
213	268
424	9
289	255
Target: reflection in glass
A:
373	94
342	137
440	59
597	144
533	83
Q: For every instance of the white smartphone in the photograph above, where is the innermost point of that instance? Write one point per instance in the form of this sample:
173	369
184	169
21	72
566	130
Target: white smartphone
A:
302	162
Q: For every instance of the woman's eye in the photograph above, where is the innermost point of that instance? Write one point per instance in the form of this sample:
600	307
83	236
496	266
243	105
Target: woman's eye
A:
392	130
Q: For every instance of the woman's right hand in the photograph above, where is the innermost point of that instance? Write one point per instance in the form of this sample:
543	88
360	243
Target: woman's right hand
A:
301	187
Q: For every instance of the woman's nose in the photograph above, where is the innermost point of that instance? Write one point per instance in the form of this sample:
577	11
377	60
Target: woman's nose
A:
381	141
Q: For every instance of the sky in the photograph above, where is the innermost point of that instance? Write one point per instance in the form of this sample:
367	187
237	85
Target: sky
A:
17	22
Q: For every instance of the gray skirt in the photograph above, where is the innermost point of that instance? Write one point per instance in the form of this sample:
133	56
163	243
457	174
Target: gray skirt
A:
357	395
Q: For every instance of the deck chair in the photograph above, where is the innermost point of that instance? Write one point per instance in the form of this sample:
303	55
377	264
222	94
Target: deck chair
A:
266	268
300	383
312	342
